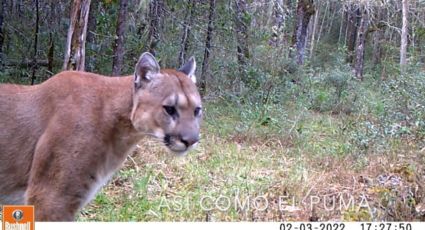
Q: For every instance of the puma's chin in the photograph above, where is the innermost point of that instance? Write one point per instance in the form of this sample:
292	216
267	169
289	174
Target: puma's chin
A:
179	153
177	149
180	150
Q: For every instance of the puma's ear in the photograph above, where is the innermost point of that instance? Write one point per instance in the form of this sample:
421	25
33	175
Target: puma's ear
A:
189	68
146	69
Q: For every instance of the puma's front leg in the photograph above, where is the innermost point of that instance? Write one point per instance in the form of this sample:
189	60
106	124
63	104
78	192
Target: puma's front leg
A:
54	197
63	174
50	206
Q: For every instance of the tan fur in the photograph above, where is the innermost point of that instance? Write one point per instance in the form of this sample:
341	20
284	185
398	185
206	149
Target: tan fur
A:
62	139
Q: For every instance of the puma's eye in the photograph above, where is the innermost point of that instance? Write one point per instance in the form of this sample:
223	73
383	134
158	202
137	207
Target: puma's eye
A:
171	110
197	111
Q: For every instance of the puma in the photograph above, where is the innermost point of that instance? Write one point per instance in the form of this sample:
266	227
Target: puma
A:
61	140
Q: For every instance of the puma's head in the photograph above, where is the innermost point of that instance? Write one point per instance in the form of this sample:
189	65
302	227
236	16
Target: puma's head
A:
166	103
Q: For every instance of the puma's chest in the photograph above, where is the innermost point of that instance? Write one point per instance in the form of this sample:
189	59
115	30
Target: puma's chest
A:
111	163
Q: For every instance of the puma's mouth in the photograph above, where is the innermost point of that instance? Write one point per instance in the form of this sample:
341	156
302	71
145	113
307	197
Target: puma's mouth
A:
176	146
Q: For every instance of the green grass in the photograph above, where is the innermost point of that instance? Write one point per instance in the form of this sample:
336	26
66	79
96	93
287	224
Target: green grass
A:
261	154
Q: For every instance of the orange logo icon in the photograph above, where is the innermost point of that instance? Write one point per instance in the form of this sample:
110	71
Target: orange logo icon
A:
18	217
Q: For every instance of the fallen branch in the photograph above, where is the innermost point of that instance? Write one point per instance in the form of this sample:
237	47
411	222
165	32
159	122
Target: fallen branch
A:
26	63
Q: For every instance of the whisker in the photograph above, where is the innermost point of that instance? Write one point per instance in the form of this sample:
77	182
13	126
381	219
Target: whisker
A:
149	134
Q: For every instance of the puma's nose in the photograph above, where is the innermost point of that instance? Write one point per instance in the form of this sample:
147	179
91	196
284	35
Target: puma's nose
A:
190	140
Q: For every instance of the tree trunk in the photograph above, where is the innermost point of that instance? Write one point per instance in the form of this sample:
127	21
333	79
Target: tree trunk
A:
91	29
342	25
378	37
352	27
404	33
34	57
155	13
51	42
2	33
305	9
313	32
322	24
420	46
278	23
187	25
208	41
332	15
118	47
50	53
241	28
360	46
77	32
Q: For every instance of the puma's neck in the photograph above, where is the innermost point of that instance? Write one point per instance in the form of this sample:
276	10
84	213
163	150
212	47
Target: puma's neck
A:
122	134
120	90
